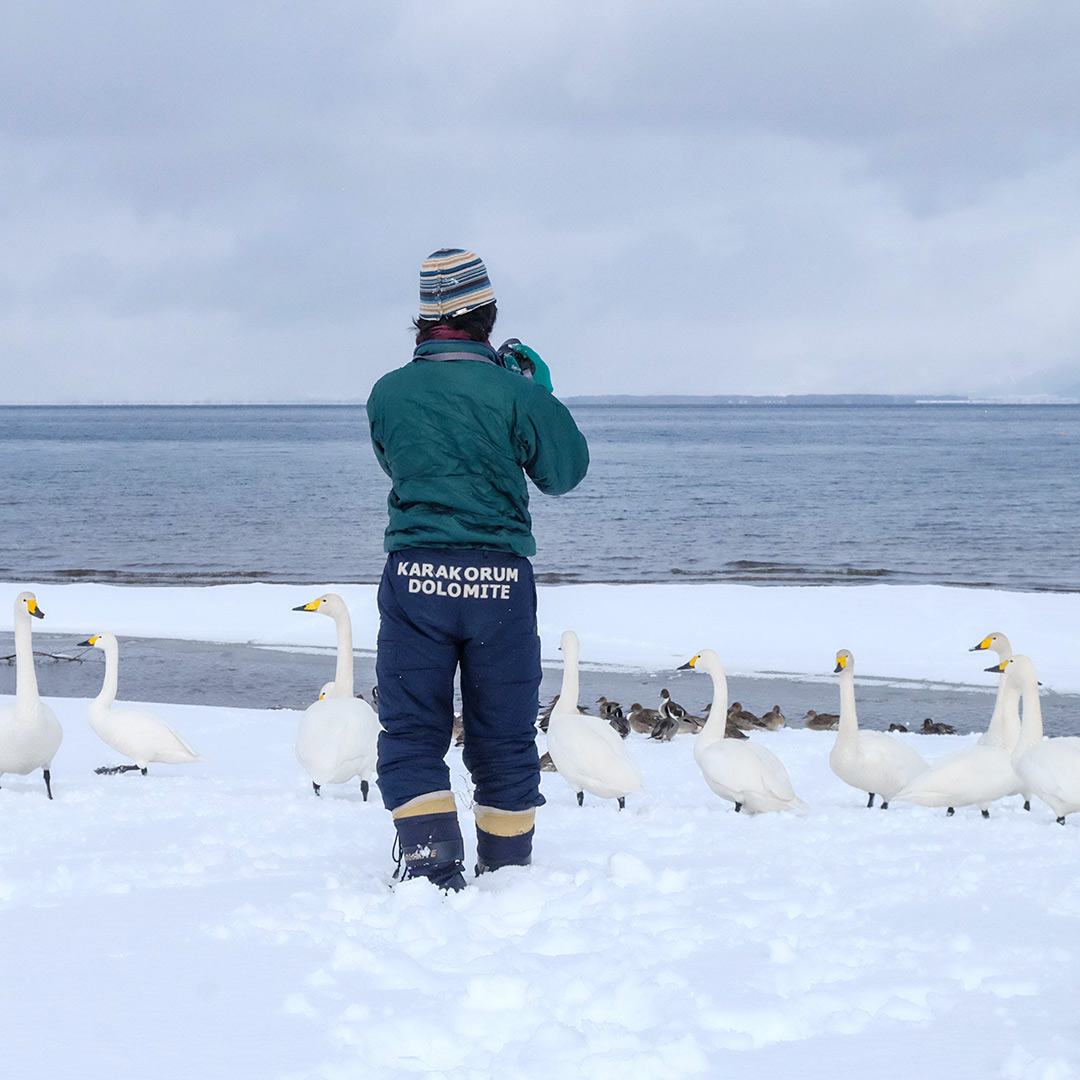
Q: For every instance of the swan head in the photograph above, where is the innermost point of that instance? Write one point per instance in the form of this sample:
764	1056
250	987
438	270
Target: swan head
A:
706	661
98	641
845	662
27	601
996	641
328	604
569	643
1019	672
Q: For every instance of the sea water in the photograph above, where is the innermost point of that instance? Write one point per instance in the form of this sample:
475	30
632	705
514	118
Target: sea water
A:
944	494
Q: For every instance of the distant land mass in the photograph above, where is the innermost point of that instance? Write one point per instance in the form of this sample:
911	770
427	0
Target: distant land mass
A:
771	399
810	399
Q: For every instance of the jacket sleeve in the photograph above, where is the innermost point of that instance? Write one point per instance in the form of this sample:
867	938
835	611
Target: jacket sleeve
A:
552	451
373	427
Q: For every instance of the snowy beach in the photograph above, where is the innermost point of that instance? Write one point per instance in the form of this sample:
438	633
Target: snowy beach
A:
219	920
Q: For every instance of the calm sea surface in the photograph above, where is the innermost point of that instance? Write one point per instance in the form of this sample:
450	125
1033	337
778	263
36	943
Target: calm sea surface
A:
969	495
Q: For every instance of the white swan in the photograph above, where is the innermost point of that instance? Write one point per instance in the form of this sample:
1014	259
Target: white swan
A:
1002	731
1048	768
30	734
586	750
135	733
745	773
339	734
868	760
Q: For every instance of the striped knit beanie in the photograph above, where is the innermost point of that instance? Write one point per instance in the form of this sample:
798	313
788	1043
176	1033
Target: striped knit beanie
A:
452	282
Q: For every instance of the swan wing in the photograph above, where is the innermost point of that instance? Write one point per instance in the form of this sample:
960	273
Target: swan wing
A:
749	774
874	761
1051	770
337	739
141	736
592	757
30	735
979	775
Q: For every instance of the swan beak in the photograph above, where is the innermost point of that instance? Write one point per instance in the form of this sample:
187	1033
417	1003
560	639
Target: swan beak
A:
841	663
313	606
32	607
88	641
984	644
689	664
997	669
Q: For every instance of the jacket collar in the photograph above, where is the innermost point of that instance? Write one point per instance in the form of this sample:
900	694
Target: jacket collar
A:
460	350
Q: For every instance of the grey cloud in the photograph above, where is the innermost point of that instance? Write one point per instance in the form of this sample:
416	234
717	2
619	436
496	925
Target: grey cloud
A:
834	196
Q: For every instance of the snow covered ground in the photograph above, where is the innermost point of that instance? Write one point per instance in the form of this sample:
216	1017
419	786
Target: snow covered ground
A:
219	920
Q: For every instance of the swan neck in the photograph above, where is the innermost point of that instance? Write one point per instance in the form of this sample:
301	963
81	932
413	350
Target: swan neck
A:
715	727
568	695
1031	724
111	681
848	727
343	674
1004	729
25	676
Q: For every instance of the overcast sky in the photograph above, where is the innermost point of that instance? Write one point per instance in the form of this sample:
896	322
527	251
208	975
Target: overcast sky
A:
219	201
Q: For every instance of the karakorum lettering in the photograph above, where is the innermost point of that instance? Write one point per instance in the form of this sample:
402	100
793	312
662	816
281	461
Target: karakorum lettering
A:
484	582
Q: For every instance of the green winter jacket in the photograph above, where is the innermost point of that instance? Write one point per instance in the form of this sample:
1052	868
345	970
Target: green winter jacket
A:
454	436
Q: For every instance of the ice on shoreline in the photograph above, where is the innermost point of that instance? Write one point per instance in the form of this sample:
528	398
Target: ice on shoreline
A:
918	633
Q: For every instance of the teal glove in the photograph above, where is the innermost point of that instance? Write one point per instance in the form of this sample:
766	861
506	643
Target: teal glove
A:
526	361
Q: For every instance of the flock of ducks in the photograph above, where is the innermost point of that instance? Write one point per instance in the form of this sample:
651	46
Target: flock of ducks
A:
338	734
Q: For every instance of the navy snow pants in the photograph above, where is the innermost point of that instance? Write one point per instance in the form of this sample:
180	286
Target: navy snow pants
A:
440	609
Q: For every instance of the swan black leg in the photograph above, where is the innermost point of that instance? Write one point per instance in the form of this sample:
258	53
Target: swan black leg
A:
315	786
1027	804
622	802
986	813
581	798
738	807
48	786
112	770
364	789
871	802
884	806
1061	820
950	812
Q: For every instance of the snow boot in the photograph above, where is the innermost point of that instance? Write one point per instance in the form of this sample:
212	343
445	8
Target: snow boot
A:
429	842
503	838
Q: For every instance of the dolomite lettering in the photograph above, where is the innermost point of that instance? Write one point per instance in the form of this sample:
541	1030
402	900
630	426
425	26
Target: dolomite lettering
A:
428	578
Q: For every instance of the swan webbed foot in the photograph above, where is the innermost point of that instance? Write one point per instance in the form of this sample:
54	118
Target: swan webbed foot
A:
738	807
48	784
871	802
986	813
581	798
143	770
884	806
315	786
622	802
1061	820
1027	804
364	789
950	812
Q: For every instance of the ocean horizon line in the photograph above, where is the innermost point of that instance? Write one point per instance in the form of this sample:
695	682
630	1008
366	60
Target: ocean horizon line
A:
626	400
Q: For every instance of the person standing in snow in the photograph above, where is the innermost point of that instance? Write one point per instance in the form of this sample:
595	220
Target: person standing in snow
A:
457	430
